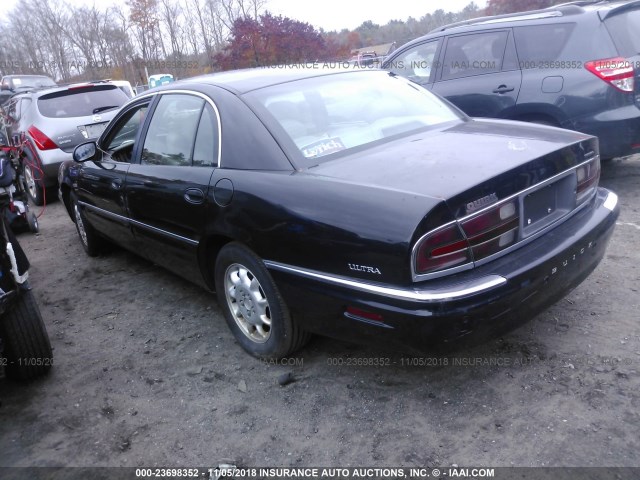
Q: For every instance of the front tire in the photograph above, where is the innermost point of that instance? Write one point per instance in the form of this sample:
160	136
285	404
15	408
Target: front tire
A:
27	348
253	307
91	241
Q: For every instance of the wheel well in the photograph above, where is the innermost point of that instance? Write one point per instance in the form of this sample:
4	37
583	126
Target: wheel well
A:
66	199
208	254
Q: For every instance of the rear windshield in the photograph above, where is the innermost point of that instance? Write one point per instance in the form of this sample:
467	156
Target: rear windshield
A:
334	113
625	31
81	102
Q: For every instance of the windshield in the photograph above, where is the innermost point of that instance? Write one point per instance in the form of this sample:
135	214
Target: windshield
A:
625	30
326	115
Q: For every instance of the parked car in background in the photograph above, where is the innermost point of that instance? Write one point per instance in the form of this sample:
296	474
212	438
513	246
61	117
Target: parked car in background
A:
50	122
160	79
12	84
575	66
125	86
351	204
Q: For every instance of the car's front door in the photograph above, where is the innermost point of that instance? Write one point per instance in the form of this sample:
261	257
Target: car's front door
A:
166	189
101	182
479	73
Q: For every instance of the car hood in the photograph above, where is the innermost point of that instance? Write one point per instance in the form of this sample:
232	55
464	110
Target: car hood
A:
466	161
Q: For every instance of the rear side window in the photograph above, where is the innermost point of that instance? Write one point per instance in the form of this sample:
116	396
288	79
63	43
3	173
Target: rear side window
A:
81	102
476	54
205	151
625	31
541	43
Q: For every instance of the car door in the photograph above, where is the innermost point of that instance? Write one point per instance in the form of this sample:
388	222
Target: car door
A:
100	188
166	189
479	73
417	63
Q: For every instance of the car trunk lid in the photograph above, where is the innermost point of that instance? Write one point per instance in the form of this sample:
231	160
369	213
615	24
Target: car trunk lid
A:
467	162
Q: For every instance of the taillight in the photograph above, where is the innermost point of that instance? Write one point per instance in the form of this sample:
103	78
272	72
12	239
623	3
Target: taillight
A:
42	141
587	176
493	229
617	71
440	249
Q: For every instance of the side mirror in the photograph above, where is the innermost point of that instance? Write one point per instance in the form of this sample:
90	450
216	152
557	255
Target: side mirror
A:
85	152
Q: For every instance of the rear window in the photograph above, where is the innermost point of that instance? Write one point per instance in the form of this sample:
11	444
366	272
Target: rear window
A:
625	31
541	43
81	102
335	113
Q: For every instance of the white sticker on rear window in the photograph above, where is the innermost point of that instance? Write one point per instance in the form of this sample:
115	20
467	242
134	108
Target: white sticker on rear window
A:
323	147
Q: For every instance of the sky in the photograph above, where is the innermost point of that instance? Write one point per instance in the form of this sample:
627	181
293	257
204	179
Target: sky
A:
334	14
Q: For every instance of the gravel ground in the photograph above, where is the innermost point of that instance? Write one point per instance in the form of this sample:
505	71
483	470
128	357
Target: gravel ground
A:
147	374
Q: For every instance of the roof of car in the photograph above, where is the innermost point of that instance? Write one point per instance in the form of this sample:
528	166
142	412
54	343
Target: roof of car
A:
545	14
243	81
15	75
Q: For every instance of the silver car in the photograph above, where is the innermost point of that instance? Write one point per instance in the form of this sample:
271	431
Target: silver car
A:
49	123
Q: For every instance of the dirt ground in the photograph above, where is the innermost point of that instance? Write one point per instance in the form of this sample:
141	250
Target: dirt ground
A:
147	374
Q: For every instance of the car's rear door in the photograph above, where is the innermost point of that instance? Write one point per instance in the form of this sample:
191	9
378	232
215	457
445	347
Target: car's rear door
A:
479	73
166	189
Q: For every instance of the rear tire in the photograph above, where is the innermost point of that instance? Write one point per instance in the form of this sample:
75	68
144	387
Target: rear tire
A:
253	307
91	241
26	343
33	187
32	220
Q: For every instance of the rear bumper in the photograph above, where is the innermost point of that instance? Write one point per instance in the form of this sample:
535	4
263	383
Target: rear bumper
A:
618	130
460	309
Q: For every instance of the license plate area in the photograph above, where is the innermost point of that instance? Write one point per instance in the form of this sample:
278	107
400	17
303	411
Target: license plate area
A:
94	130
547	204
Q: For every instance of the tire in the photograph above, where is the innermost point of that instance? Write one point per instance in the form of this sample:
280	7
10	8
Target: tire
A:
253	307
26	343
33	187
91	241
32	220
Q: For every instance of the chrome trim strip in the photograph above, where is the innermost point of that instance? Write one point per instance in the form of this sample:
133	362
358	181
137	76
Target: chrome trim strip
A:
136	223
611	201
424	295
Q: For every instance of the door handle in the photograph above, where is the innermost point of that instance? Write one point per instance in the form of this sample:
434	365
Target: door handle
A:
194	196
503	89
116	184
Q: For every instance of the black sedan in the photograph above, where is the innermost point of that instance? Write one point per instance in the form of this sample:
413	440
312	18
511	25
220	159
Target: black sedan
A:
352	204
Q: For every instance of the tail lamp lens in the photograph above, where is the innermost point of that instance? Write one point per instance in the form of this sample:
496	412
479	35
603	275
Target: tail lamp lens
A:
41	140
486	233
616	71
587	177
440	249
492	230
